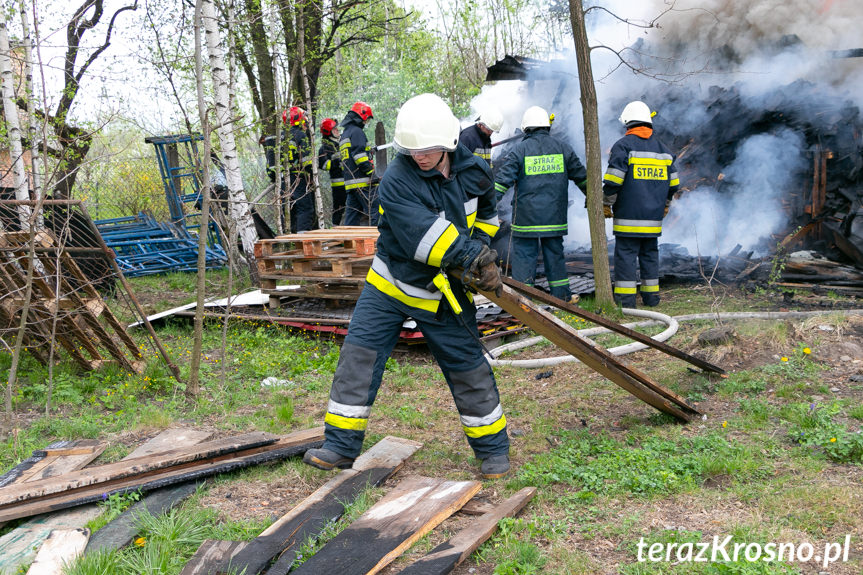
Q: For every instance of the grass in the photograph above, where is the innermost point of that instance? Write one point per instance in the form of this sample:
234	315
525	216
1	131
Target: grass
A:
778	456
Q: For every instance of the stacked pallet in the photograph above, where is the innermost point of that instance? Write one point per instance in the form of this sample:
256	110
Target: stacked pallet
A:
325	263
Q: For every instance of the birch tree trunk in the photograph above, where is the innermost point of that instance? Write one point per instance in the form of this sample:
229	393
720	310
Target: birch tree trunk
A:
13	128
240	209
593	153
33	127
316	184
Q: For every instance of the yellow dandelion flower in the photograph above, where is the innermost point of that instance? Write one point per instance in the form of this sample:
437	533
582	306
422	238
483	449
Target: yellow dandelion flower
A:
807	351
724	424
832	440
783	359
140	541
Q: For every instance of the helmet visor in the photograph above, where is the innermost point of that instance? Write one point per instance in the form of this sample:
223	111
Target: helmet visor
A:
419	151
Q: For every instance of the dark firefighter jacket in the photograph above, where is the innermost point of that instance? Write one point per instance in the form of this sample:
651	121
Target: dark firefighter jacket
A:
541	166
639	181
429	223
477	142
356	157
328	151
300	151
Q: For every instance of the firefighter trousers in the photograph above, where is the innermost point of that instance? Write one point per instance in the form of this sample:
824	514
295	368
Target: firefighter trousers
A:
372	334
525	252
626	251
303	215
361	207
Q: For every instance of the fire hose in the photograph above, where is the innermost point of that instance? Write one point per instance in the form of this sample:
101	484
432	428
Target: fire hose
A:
672	324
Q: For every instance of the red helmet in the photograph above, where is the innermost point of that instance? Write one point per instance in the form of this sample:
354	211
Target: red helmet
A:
327	126
294	116
363	110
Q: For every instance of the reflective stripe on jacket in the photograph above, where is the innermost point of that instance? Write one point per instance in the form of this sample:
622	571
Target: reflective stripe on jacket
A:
357	163
477	142
299	151
427	224
329	148
640	179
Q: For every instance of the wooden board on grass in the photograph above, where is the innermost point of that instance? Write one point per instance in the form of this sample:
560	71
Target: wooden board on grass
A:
130	467
210	554
327	504
287	446
61	547
19	545
446	556
416	506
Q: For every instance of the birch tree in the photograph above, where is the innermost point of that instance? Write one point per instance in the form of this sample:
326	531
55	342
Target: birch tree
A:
316	184
241	212
33	127
13	127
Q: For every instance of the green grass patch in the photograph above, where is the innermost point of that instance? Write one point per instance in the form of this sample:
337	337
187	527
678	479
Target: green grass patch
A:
646	467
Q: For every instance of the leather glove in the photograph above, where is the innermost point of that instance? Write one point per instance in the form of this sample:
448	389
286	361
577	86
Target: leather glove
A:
667	205
485	275
606	211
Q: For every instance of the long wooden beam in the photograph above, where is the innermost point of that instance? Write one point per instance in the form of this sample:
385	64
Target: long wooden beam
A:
566	337
613	326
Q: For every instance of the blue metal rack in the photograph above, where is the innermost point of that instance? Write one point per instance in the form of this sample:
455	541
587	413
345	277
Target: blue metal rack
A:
145	246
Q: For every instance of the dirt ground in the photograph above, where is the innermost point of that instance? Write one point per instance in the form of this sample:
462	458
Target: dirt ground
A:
840	350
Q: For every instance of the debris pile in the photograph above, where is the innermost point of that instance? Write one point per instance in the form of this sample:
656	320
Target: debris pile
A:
413	507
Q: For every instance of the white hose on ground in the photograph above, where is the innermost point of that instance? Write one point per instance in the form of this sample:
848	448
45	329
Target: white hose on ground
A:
654	319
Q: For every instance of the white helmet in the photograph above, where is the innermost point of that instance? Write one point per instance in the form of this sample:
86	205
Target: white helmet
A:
425	123
534	117
492	119
636	112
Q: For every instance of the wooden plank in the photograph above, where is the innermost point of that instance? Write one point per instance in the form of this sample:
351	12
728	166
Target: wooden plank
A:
57	465
476	506
323	506
122	530
168	440
415	507
288	446
446	556
566	337
131	467
19	545
211	553
61	547
80	448
613	326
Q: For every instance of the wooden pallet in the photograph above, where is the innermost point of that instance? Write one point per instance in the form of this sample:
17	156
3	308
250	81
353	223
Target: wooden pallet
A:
326	263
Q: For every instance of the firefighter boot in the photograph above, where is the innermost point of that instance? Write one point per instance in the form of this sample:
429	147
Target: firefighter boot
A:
325	459
495	466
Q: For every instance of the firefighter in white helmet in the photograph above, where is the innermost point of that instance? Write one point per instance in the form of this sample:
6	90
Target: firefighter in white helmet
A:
477	138
541	167
637	189
438	213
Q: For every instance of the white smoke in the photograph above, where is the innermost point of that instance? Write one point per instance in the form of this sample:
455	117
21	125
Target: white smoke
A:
754	46
750	206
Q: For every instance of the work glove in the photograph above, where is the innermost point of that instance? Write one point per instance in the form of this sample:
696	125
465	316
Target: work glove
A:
483	272
665	212
606	211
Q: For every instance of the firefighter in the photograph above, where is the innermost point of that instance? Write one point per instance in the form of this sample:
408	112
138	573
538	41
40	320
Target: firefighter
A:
438	216
361	206
330	160
541	167
477	138
637	190
300	162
